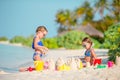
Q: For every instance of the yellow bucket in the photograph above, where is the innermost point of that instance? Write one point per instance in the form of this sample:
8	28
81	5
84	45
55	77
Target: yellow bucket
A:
39	65
81	65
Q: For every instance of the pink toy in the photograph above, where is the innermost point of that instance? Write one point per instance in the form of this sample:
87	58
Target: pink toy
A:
46	65
110	64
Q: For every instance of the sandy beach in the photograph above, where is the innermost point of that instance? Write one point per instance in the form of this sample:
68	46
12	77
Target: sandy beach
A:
12	44
83	74
89	73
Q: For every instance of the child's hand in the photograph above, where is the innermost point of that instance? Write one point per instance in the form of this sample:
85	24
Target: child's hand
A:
45	49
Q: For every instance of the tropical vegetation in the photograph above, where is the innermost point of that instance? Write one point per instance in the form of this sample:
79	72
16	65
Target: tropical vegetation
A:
112	41
85	14
3	38
26	41
108	24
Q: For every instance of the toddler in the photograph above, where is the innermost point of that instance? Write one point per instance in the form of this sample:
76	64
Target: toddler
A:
37	45
90	55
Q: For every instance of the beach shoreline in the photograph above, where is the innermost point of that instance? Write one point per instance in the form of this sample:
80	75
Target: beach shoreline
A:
11	44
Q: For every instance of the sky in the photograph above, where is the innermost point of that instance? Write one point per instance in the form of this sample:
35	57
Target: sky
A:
22	17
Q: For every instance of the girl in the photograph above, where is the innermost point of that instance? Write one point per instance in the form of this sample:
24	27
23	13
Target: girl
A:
90	55
37	45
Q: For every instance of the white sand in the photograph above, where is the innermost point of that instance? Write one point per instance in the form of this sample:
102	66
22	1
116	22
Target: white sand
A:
83	74
11	44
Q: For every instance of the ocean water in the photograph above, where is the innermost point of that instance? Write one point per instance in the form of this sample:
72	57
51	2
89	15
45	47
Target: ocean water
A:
14	57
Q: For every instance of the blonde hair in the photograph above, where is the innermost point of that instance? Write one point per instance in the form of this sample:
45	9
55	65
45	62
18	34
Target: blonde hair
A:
41	28
88	40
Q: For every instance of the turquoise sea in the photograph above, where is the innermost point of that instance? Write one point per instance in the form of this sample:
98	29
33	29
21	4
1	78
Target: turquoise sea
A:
13	57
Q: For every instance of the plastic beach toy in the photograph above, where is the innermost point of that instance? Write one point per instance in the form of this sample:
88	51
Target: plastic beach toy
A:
66	67
60	68
110	64
97	61
63	67
81	65
30	69
101	66
39	65
46	65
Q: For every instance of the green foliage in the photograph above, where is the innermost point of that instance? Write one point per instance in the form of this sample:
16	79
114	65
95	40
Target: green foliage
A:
111	36
28	41
85	14
73	40
96	43
3	39
113	53
17	39
70	40
24	41
112	41
50	42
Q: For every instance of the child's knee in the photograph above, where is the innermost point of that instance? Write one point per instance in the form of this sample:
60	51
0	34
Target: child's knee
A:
37	57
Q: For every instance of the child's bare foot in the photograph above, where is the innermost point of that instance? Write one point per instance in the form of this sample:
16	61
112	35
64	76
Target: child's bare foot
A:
23	69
